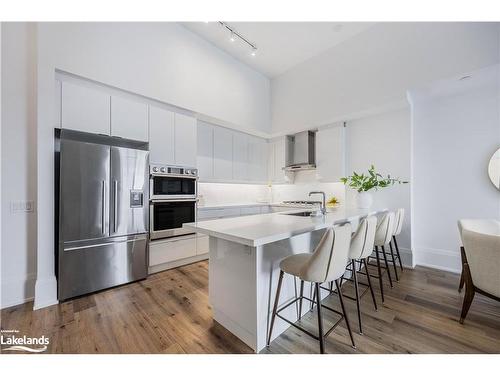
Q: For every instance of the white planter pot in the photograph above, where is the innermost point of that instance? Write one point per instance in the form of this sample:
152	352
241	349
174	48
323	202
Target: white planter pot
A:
364	200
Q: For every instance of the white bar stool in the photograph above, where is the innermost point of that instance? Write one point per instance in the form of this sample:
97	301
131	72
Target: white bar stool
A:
400	214
383	235
362	243
326	263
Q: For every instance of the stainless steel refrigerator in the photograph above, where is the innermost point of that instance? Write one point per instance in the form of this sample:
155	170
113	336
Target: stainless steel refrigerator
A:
103	206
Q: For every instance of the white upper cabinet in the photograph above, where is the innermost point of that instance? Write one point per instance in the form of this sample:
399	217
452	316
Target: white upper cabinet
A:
161	136
277	157
257	159
172	138
205	158
240	157
330	163
226	155
129	119
223	154
185	140
85	109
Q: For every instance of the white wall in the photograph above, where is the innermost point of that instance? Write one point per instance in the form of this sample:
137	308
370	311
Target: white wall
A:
371	72
456	129
384	141
163	61
18	246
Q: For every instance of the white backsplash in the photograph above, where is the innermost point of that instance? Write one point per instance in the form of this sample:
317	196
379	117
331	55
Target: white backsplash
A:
212	194
304	182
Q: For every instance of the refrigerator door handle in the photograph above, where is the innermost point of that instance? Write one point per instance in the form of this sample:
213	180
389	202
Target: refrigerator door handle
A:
115	204
103	206
102	244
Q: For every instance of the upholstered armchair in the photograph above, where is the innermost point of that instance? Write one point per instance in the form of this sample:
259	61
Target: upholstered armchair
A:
480	253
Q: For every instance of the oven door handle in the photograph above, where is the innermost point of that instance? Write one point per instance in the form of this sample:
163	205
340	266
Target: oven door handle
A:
153	201
190	177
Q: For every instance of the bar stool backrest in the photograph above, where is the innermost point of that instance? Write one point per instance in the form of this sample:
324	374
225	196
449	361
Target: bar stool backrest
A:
385	229
363	239
400	215
329	260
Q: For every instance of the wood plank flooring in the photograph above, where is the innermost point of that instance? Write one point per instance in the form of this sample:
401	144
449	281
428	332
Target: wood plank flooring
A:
169	313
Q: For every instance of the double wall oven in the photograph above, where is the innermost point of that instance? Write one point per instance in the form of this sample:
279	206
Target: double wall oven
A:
173	194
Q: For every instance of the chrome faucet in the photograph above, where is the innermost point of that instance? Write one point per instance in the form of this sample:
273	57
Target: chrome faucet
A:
323	206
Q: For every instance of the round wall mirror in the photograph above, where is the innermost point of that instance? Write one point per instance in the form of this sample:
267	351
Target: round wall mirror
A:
494	169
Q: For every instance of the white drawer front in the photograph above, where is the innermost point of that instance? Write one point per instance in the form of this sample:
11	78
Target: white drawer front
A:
202	244
250	210
265	209
232	212
210	214
171	250
218	213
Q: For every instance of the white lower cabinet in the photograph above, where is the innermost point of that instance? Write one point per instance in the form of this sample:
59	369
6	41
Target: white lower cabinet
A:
202	244
250	210
172	249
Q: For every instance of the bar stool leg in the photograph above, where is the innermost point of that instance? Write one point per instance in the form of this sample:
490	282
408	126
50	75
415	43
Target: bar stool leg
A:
275	308
462	280
370	284
387	267
397	252
354	273
394	262
320	320
301	298
379	274
345	314
314	297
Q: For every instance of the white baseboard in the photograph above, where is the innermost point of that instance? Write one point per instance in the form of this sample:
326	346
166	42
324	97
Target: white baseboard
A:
16	291
406	257
177	263
445	260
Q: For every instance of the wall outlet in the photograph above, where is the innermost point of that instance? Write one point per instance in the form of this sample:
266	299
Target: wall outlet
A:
22	206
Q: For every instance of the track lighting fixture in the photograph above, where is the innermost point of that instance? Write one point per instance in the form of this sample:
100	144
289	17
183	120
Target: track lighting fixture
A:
235	34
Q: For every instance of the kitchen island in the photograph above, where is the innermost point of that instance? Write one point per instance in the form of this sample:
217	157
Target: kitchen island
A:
245	253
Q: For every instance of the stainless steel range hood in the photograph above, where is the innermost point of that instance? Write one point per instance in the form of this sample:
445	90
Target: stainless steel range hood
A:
301	151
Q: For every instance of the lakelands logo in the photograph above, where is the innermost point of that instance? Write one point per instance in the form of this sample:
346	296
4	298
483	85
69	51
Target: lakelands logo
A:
11	341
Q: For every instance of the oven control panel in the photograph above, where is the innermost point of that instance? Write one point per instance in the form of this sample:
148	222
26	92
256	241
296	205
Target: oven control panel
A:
157	169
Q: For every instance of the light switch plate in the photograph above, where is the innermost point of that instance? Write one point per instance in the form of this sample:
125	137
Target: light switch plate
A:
22	206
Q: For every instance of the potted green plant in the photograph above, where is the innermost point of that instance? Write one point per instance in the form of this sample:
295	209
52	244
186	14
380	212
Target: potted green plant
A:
363	183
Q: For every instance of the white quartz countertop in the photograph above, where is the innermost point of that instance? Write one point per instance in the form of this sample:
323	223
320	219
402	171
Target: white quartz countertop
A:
258	230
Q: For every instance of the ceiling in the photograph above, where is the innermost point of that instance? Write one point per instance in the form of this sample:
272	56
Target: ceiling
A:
281	45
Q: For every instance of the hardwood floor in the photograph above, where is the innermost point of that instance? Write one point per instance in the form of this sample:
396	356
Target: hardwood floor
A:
169	313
